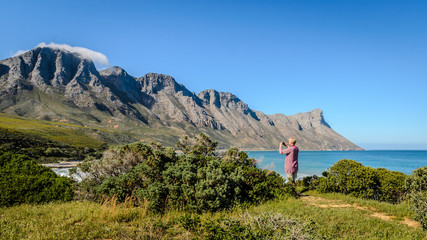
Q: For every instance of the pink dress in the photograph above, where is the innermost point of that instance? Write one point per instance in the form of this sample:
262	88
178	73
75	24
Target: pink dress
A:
291	160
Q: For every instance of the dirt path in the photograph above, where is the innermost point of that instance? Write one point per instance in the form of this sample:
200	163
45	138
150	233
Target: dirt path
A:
329	203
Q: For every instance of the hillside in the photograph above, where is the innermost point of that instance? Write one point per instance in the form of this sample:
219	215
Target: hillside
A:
60	86
47	141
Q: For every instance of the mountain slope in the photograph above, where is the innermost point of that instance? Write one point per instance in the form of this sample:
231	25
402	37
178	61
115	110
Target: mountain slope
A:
57	85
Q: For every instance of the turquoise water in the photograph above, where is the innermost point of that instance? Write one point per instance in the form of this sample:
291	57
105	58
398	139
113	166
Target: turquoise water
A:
315	162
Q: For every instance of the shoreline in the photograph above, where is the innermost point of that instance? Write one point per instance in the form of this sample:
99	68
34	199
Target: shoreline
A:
63	164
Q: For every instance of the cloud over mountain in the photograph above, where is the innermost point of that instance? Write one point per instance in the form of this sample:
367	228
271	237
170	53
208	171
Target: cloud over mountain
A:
100	60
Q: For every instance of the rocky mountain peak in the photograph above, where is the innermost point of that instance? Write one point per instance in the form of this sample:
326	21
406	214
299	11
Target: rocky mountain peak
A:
210	97
120	79
152	83
225	100
320	115
44	66
219	99
311	119
114	71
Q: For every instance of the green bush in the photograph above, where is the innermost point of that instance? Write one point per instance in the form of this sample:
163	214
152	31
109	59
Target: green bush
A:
196	180
310	182
416	185
24	181
199	145
351	177
391	185
190	222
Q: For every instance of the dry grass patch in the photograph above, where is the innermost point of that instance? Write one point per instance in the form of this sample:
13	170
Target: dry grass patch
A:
332	203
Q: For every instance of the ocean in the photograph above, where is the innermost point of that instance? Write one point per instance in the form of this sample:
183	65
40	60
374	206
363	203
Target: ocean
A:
315	162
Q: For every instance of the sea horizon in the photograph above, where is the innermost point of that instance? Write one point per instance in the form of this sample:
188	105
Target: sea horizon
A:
315	162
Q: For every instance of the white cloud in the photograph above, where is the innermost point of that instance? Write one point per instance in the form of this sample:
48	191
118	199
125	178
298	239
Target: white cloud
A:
19	52
100	60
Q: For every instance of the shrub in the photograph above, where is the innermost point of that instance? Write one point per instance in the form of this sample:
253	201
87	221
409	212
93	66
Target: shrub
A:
391	185
54	152
310	182
197	180
214	189
190	222
261	185
199	145
416	184
255	185
24	181
351	177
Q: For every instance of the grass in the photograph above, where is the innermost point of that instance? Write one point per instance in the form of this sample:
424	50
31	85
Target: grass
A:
111	220
344	223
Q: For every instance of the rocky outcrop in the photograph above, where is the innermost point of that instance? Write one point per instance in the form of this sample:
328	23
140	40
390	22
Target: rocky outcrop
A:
57	83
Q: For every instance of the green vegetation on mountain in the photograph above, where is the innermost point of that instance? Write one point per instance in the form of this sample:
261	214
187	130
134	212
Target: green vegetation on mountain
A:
65	133
47	141
40	149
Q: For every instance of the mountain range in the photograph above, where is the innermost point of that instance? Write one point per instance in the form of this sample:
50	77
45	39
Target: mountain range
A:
57	85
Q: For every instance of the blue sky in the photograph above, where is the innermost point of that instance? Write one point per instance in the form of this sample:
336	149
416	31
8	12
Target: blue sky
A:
364	63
